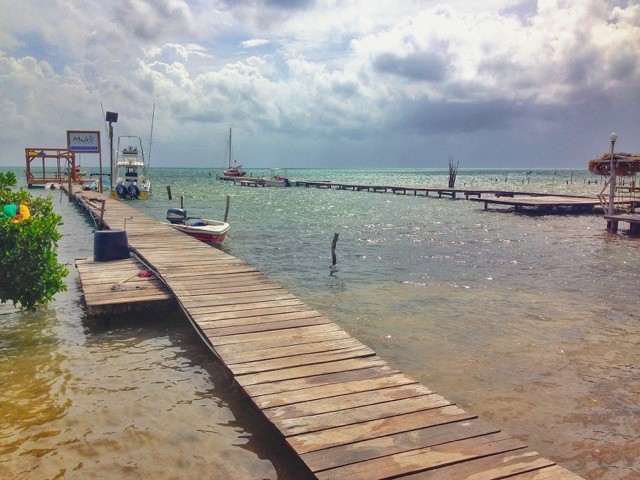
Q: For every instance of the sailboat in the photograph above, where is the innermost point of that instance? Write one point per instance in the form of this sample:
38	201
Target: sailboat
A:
233	170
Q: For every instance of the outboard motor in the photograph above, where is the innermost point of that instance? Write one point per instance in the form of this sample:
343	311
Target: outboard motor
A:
176	215
134	191
121	190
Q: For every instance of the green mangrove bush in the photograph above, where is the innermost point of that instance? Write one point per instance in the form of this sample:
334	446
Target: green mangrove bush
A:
29	270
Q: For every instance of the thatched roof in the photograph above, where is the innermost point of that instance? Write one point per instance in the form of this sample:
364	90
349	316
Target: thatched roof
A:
627	164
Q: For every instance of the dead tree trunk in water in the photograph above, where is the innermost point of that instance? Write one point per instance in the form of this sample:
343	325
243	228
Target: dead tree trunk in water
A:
453	172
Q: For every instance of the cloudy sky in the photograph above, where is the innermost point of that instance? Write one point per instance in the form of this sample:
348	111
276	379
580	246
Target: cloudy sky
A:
326	83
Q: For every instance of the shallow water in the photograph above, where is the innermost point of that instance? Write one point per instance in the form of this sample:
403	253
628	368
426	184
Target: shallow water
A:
530	321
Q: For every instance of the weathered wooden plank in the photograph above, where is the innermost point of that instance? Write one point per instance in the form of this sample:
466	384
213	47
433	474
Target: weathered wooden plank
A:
337	378
234	298
276	341
259	316
400	442
550	473
243	307
333	390
126	296
294	335
230	270
424	458
524	464
310	370
247	315
365	413
235	358
348	434
295	361
264	326
208	289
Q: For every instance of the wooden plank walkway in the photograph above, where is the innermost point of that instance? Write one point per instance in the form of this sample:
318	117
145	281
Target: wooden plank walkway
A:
342	409
519	200
117	287
549	202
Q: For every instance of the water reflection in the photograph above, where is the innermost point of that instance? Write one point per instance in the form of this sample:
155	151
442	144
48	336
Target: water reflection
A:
31	377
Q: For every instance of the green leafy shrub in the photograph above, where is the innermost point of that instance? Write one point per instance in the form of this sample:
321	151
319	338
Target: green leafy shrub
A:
29	270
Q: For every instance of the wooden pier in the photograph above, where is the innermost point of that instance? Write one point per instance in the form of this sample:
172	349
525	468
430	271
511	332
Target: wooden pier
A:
341	408
632	219
554	203
520	201
120	286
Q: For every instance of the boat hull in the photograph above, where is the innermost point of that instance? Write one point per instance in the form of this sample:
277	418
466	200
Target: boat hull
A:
273	183
234	173
211	234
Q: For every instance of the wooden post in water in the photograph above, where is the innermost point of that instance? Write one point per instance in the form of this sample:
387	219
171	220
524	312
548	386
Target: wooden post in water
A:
169	191
226	209
182	202
333	249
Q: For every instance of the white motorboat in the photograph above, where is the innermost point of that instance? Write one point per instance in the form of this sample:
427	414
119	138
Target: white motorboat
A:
211	232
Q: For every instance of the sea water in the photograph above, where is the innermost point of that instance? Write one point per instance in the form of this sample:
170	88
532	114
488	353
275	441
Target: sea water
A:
528	320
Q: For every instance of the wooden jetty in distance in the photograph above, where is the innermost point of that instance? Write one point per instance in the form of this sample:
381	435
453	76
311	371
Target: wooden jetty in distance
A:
339	406
556	203
518	200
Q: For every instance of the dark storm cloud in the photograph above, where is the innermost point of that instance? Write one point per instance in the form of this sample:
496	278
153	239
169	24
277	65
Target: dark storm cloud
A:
467	117
416	66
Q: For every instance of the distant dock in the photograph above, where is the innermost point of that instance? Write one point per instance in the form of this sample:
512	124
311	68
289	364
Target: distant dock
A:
340	407
520	201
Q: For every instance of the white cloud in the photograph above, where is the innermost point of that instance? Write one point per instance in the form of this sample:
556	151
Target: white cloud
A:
255	42
326	69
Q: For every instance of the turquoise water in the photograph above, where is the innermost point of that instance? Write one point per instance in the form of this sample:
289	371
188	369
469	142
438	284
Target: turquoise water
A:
530	321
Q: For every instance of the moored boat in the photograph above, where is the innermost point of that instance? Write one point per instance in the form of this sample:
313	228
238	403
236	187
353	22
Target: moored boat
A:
211	232
233	170
132	171
278	178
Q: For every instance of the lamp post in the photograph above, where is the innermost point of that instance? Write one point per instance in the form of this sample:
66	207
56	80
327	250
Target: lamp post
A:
612	184
112	118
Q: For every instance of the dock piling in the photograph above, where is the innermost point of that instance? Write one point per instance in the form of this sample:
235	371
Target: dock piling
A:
226	208
333	249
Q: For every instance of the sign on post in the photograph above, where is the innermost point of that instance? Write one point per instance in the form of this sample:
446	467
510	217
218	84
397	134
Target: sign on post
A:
85	141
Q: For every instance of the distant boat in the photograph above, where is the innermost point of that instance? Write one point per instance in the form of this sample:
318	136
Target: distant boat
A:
211	232
278	178
132	171
233	170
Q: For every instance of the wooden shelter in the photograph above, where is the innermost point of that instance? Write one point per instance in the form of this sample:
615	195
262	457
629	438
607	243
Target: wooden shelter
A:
627	164
627	191
56	165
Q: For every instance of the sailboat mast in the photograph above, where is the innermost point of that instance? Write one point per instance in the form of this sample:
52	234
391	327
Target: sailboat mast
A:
229	147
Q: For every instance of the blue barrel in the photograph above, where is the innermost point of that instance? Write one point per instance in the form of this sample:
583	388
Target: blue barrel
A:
110	245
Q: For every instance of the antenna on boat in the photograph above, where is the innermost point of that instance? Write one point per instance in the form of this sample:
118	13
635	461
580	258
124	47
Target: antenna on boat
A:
106	128
153	114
